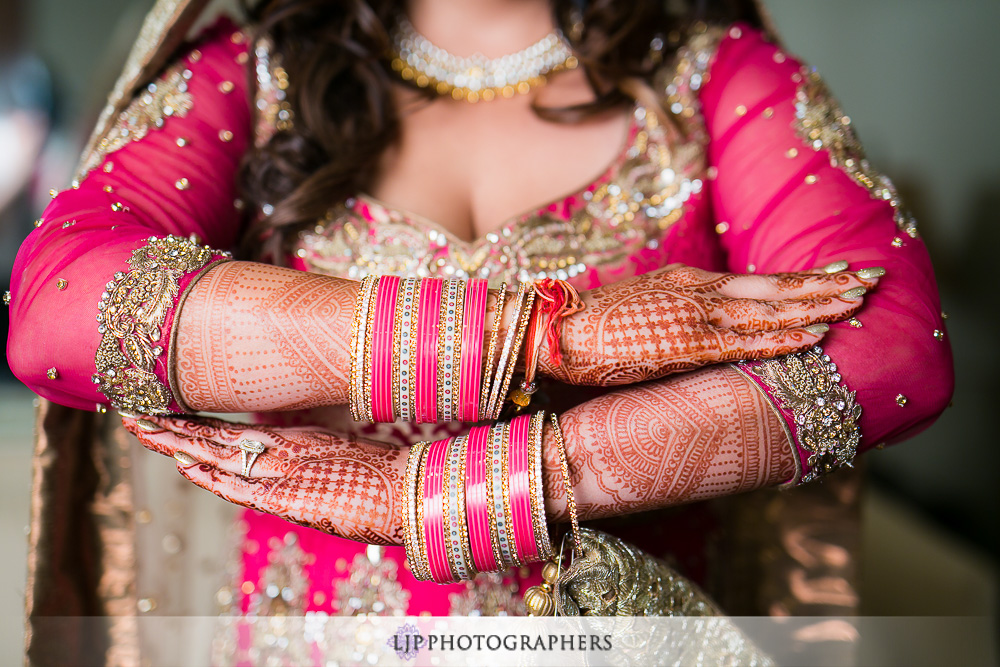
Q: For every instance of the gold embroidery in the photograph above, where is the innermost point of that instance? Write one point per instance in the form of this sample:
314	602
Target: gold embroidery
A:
689	75
274	111
167	96
823	125
372	587
488	594
824	411
132	310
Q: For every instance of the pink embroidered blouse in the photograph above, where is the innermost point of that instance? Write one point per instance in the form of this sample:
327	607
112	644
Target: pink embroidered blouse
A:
768	176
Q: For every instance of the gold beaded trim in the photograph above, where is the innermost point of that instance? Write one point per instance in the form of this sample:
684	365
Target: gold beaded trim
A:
132	309
825	413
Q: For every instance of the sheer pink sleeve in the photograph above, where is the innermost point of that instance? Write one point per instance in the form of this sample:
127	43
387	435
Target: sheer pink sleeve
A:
793	191
95	287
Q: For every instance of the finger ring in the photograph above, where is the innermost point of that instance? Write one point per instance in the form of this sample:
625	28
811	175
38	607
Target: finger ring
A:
249	451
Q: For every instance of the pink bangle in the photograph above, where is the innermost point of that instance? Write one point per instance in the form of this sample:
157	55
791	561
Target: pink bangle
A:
473	332
406	378
520	500
477	510
434	511
449	359
381	361
427	350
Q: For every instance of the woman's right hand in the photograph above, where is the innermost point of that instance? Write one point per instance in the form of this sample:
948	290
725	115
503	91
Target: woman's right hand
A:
681	318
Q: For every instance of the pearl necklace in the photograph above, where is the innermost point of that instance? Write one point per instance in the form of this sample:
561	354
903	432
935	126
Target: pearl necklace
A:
477	78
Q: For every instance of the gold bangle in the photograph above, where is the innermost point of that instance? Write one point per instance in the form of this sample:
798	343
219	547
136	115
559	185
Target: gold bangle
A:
496	396
410	503
508	512
366	378
484	396
570	499
535	487
522	326
358	334
397	316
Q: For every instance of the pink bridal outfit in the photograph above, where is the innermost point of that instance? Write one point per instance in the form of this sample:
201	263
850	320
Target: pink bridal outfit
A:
750	167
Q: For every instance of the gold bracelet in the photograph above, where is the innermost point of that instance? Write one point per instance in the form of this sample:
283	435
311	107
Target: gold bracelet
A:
396	346
570	499
496	395
535	487
454	408
412	525
359	334
522	326
484	396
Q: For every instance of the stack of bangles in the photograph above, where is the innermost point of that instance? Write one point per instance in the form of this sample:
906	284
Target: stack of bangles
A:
418	354
474	503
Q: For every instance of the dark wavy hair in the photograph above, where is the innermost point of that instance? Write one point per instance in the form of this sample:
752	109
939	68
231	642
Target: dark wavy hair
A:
335	53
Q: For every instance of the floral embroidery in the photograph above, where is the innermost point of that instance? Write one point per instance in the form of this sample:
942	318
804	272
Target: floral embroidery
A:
823	125
488	594
132	310
167	96
372	586
274	110
823	412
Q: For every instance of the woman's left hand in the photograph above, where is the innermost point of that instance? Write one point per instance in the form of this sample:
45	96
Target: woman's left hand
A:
313	478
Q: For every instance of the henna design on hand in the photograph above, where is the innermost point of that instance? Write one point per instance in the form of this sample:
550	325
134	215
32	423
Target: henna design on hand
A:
684	318
341	486
705	434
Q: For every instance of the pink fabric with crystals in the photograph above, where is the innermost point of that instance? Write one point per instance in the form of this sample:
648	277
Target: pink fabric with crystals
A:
791	211
774	221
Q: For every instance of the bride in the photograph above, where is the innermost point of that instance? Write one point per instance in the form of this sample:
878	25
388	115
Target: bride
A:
686	209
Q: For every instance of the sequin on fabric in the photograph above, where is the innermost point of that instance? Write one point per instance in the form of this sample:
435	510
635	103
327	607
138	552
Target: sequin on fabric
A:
808	387
167	96
131	313
274	111
823	125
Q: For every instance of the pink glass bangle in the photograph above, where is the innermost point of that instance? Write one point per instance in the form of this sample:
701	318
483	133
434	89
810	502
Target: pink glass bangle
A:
406	378
476	508
427	350
473	332
433	511
381	359
520	500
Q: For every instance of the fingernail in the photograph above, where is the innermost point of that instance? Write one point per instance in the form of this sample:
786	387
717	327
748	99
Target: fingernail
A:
836	267
820	328
855	293
185	458
128	414
873	272
146	425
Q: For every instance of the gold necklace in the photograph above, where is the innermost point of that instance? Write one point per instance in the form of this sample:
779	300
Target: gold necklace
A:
477	77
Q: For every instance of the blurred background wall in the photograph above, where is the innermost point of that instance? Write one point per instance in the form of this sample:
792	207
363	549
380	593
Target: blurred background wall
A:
918	77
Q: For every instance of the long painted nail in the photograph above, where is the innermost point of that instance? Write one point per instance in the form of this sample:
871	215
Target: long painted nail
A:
854	293
820	328
185	458
872	272
836	267
129	414
147	425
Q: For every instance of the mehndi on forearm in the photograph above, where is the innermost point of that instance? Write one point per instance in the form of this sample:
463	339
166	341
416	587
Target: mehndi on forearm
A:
700	435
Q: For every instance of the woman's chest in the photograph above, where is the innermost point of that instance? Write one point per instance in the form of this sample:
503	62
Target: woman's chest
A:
649	207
